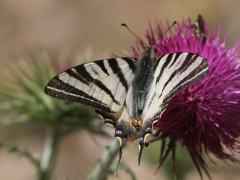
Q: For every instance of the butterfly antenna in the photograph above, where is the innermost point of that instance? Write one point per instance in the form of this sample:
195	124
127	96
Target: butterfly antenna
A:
123	24
175	22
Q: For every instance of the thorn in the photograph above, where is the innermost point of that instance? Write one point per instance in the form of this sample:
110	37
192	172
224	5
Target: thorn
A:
171	145
173	164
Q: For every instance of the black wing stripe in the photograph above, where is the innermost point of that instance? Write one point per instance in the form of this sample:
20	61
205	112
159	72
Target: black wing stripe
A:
131	63
116	70
72	72
84	73
186	61
168	59
102	66
170	78
175	58
189	62
190	79
107	91
58	89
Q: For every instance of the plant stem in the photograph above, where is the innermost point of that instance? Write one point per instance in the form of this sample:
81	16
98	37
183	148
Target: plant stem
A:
50	153
102	168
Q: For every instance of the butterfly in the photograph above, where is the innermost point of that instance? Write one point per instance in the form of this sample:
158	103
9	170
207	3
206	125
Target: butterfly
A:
129	93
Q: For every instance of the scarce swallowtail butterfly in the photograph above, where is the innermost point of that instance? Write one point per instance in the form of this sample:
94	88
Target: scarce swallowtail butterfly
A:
129	92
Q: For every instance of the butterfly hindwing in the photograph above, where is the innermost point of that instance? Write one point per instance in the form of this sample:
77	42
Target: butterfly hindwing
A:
101	84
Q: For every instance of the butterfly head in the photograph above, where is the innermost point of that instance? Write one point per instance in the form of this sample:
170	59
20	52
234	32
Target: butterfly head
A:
146	60
150	52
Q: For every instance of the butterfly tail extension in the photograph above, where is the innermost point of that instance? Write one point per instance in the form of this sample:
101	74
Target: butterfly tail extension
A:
141	147
147	130
122	128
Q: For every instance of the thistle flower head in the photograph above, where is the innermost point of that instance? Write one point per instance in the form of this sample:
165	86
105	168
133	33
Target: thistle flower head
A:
204	117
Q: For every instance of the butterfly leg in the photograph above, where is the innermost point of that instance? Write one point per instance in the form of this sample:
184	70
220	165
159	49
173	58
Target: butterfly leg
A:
143	142
119	136
147	130
123	129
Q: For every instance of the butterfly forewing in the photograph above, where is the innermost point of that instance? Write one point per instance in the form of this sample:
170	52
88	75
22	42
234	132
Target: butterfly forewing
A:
101	84
174	72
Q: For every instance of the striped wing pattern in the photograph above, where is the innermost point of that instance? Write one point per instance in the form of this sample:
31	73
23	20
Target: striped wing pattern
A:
174	72
101	84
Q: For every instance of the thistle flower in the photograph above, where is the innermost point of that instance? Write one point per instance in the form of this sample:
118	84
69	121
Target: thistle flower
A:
204	117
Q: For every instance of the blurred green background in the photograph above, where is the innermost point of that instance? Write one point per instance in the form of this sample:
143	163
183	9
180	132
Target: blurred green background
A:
92	28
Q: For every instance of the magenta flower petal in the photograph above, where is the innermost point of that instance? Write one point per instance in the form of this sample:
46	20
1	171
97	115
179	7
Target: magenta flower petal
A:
204	117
